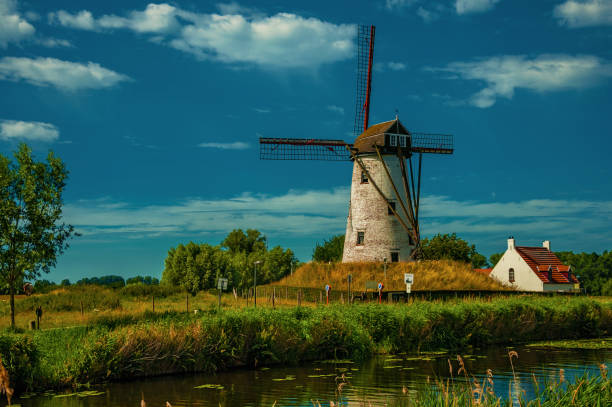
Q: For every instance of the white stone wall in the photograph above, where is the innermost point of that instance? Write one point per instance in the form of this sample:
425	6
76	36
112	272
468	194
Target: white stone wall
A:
368	213
524	278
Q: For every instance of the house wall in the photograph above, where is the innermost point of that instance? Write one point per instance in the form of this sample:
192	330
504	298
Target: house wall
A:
525	278
368	213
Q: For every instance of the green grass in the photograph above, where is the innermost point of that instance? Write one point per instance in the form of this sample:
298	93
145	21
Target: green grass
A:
120	346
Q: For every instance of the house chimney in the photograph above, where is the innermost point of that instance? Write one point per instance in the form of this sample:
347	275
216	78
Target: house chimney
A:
511	243
546	244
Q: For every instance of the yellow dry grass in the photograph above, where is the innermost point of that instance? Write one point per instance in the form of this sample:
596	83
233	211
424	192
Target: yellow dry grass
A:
428	275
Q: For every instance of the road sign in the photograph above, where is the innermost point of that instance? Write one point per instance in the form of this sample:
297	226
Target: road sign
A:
408	288
380	286
222	284
327	287
408	278
371	285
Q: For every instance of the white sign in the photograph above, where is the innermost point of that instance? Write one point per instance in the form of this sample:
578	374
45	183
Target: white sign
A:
380	286
222	284
327	287
408	288
408	278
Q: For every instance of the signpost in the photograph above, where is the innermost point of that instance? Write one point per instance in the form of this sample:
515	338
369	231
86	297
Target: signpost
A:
221	286
408	279
380	288
327	290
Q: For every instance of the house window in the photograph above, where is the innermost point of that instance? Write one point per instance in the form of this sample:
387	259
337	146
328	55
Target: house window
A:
389	206
360	238
511	275
394	257
410	240
393	140
364	178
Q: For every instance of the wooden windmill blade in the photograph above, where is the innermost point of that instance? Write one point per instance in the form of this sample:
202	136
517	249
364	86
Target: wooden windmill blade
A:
303	149
365	61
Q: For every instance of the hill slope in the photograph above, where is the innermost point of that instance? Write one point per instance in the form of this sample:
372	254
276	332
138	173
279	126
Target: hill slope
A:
428	275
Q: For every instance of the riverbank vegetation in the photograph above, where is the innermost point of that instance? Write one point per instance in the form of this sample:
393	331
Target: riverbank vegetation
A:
117	346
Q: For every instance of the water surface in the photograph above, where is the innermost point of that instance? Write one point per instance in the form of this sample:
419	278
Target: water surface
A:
377	380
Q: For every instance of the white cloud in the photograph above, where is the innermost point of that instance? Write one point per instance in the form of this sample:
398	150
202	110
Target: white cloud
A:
389	66
156	18
584	13
82	20
545	73
54	42
323	212
427	15
261	110
236	145
335	109
13	27
283	40
65	75
474	6
397	4
33	131
295	213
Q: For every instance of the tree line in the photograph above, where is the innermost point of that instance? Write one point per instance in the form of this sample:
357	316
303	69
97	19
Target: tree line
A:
197	266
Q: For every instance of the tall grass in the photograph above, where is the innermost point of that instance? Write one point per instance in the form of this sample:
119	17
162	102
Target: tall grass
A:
113	349
428	275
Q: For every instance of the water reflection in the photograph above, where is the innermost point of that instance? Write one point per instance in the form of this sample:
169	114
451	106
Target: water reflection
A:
378	380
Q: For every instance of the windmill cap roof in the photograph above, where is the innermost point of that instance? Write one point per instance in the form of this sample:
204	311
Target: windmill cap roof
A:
373	133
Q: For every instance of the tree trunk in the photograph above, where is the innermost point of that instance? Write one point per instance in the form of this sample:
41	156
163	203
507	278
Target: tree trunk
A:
12	294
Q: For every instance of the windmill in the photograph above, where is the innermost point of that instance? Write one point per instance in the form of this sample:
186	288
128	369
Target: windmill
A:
383	219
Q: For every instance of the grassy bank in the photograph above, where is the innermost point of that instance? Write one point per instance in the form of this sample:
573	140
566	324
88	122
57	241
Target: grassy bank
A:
428	275
119	347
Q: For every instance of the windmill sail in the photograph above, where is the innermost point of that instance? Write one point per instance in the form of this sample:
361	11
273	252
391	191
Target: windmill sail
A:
302	149
365	60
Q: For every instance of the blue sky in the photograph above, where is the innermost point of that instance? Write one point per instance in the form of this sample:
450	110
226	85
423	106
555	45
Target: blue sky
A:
156	108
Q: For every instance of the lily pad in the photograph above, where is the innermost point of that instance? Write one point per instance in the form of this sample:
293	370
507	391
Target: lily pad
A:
210	386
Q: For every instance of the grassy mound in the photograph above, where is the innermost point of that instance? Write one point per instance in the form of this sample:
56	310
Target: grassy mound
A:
428	275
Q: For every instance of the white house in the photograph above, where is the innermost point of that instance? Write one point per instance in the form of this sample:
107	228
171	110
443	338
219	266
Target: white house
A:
534	269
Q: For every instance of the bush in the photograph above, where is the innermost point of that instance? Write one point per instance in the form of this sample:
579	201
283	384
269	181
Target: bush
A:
70	298
20	358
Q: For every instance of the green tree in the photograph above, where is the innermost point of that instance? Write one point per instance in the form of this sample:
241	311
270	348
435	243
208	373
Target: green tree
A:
32	234
494	258
237	241
449	247
65	282
330	250
479	261
594	270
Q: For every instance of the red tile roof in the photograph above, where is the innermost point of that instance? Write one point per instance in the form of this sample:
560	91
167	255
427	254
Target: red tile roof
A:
486	272
540	259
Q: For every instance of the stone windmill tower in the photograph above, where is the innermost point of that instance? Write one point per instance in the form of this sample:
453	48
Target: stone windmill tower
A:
383	218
